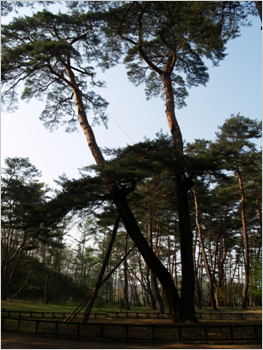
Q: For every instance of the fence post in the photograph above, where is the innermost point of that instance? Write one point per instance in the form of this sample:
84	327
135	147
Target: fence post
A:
127	332
18	325
180	334
56	329
36	325
53	315
101	331
256	334
206	339
78	330
241	316
231	333
153	333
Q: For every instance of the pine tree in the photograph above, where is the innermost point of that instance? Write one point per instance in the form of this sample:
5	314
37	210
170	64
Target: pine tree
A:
233	148
50	62
22	197
165	44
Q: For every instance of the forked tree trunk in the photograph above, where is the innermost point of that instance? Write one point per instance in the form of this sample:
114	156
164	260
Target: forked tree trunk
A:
183	184
119	199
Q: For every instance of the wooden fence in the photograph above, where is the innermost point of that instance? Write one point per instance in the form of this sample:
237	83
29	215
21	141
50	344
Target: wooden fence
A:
234	316
137	332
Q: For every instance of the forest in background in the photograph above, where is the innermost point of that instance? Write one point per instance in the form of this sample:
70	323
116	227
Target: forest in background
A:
37	265
194	210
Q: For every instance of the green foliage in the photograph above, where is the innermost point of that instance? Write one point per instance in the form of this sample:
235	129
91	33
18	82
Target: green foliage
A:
187	32
39	51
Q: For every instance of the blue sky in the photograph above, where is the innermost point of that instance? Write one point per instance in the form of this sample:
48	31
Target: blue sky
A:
234	87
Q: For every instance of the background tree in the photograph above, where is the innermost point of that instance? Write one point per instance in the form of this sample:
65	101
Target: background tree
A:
22	199
235	147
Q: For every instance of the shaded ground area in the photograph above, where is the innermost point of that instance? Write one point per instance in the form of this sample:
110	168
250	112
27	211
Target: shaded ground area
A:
25	341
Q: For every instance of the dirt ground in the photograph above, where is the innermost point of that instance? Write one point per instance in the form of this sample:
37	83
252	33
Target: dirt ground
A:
25	341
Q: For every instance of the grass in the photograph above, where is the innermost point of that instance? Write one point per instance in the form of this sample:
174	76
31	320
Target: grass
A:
37	305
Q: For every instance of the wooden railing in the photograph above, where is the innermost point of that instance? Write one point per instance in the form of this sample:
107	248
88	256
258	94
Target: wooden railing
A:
142	315
137	332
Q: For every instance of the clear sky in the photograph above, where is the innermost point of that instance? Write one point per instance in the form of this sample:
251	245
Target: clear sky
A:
234	87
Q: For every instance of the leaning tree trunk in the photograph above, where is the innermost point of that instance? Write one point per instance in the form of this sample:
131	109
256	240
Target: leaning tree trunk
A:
104	265
119	199
183	184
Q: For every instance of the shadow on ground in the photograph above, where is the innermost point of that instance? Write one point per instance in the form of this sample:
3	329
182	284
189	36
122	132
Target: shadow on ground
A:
25	341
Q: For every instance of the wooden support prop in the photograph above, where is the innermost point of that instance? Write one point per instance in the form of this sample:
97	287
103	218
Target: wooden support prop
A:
91	297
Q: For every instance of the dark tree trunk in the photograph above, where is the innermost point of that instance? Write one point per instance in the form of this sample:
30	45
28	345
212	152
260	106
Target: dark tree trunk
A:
156	293
150	258
188	277
104	265
183	184
125	286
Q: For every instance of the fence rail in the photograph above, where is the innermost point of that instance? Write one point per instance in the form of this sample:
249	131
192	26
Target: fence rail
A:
134	332
232	316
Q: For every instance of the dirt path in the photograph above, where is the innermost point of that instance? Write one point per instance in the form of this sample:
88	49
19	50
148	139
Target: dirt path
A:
25	341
